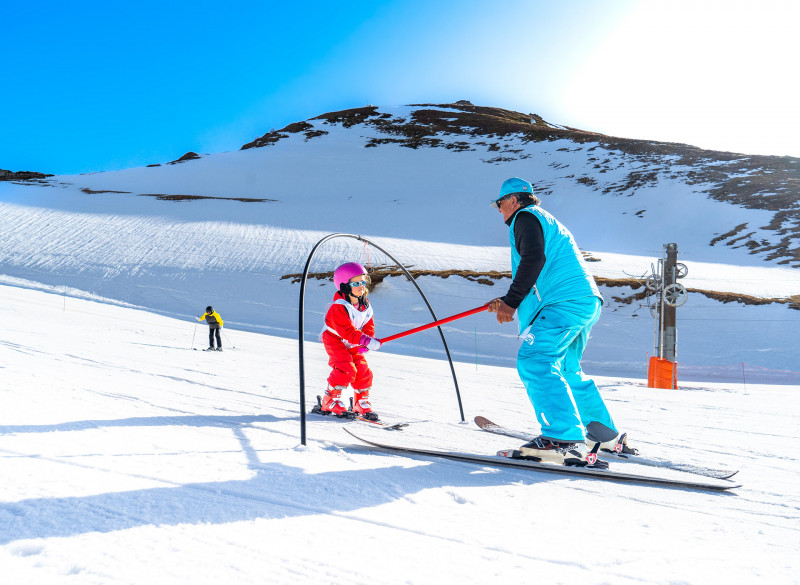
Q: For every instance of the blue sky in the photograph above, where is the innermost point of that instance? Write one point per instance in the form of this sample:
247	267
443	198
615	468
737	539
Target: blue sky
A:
91	86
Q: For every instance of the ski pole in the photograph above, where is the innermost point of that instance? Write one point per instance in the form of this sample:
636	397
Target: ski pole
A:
193	334
228	341
435	323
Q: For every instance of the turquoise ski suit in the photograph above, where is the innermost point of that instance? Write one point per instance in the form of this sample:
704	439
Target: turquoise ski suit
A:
555	318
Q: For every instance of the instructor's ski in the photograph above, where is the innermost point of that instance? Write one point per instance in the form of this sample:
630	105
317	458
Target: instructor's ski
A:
487	425
503	460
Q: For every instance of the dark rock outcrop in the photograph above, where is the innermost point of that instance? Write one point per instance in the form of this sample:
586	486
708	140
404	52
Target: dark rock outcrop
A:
21	175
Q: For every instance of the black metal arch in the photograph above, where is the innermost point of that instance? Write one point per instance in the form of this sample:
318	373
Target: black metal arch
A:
301	335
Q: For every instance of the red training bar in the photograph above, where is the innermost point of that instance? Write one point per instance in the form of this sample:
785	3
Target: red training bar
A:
435	323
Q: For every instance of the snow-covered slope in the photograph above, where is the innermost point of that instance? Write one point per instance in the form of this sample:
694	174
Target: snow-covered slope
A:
128	458
223	229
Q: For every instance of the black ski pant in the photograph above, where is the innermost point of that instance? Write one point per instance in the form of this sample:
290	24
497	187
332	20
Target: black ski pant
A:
211	333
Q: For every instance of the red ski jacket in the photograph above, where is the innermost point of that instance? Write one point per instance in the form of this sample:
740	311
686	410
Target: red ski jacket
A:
346	323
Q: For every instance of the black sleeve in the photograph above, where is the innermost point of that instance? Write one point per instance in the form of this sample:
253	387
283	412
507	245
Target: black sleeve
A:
529	239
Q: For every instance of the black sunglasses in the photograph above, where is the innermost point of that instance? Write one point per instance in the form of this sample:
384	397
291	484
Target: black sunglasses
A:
497	203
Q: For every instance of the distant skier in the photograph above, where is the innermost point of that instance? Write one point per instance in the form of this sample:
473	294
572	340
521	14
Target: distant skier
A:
214	325
348	335
557	302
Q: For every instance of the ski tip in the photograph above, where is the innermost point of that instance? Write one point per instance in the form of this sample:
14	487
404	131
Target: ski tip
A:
482	421
396	427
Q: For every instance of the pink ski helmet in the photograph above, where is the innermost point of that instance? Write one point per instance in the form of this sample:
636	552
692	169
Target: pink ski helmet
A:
345	272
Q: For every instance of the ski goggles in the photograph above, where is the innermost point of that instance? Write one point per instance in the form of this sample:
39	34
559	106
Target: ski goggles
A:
357	283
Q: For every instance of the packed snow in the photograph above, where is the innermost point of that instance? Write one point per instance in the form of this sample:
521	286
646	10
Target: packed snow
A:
129	455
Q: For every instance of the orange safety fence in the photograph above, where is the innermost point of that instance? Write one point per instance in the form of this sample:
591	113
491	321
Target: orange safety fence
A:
661	371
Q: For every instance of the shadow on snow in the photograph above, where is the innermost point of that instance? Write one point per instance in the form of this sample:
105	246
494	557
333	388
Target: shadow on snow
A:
274	491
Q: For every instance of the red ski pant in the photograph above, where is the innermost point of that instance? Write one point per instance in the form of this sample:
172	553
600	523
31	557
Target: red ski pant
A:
348	368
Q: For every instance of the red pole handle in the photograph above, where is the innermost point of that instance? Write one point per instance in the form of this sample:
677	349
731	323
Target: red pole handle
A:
435	323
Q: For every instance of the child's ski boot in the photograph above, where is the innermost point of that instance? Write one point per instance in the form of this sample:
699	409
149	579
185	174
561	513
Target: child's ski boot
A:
331	403
361	405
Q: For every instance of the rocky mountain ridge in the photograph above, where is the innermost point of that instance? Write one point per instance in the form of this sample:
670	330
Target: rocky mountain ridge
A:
21	175
770	183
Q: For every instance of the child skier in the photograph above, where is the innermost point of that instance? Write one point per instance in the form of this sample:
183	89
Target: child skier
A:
214	325
348	335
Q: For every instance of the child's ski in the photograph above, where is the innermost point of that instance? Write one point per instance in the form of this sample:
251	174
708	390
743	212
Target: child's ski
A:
386	425
349	415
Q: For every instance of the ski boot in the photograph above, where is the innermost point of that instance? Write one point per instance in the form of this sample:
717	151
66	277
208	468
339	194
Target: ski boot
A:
361	405
603	438
331	403
560	452
618	445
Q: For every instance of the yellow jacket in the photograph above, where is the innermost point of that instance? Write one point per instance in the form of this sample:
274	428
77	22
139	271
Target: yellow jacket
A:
213	319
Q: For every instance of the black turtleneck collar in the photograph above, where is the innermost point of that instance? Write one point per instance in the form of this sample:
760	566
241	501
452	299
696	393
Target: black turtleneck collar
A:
513	215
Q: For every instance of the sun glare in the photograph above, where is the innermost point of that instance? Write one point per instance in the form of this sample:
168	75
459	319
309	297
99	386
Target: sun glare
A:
715	74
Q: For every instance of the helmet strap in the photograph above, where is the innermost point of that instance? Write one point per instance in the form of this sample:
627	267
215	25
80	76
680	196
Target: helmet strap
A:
347	292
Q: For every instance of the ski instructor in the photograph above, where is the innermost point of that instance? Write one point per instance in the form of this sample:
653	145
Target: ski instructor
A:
557	302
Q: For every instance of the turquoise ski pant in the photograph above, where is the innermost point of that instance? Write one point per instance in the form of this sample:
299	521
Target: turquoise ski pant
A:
549	364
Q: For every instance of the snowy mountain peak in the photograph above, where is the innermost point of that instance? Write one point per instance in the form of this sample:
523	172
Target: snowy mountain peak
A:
604	164
424	124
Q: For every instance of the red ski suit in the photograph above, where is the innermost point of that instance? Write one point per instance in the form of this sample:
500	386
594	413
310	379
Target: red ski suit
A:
344	326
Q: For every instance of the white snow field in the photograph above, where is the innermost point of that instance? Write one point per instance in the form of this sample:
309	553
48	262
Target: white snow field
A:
129	457
105	234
